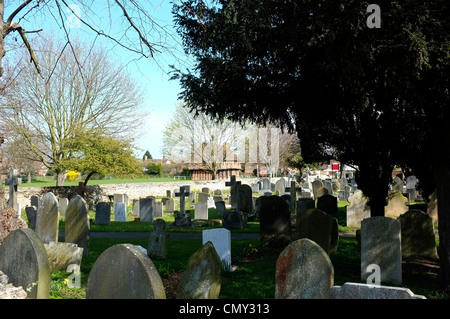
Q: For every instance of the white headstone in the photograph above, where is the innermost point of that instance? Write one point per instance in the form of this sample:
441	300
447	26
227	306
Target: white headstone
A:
221	239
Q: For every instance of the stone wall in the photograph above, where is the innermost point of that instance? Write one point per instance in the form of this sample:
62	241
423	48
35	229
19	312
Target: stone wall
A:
133	190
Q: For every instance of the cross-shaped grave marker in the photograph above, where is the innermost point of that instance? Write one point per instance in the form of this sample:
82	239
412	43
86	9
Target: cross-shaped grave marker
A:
235	201
184	191
12	182
293	191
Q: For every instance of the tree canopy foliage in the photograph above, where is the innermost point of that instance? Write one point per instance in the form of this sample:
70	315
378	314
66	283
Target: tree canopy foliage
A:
371	97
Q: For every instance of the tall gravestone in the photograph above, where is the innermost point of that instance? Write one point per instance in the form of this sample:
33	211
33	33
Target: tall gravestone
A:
201	211
103	213
12	181
147	209
233	184
201	279
124	271
303	271
328	203
418	237
24	260
396	205
245	198
358	209
77	223
319	227
221	240
158	241
47	219
120	212
275	222
315	186
381	246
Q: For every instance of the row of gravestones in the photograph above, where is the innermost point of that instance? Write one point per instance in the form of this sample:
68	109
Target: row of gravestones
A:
303	271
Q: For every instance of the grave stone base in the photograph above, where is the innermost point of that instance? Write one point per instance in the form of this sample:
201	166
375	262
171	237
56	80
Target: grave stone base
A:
183	221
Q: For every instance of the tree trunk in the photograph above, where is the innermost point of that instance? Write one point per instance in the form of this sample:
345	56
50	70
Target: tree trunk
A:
60	178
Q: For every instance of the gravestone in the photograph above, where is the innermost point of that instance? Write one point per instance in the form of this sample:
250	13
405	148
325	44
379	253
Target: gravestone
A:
397	184
233	184
381	246
293	200
303	271
181	219
221	240
201	211
220	207
124	271
47	219
120	212
358	209
24	260
352	290
34	200
411	183
158	210
147	209
159	240
328	203
103	213
202	277
265	183
234	219
328	185
203	197
245	199
61	255
119	198
319	227
321	191
396	205
418	237
316	184
170	206
12	181
275	222
63	202
303	204
77	224
280	186
31	212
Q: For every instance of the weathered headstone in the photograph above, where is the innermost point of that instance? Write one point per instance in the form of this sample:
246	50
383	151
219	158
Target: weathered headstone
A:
316	184
182	220
303	271
203	197
159	240
146	209
328	185
103	213
77	224
35	201
358	209
380	245
24	260
119	198
234	219
321	191
396	205
220	207
124	271
221	240
303	204
12	181
280	187
158	210
201	280
293	200
120	212
319	227
233	191
275	222
47	219
61	255
411	183
170	206
328	203
245	198
418	237
31	212
63	202
397	184
201	211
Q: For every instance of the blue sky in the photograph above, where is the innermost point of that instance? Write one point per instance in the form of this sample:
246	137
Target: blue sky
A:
150	74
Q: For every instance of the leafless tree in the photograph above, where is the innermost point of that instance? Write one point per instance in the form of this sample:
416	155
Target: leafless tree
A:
78	92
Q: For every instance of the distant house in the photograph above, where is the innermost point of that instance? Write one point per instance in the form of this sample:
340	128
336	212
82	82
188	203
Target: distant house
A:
225	171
